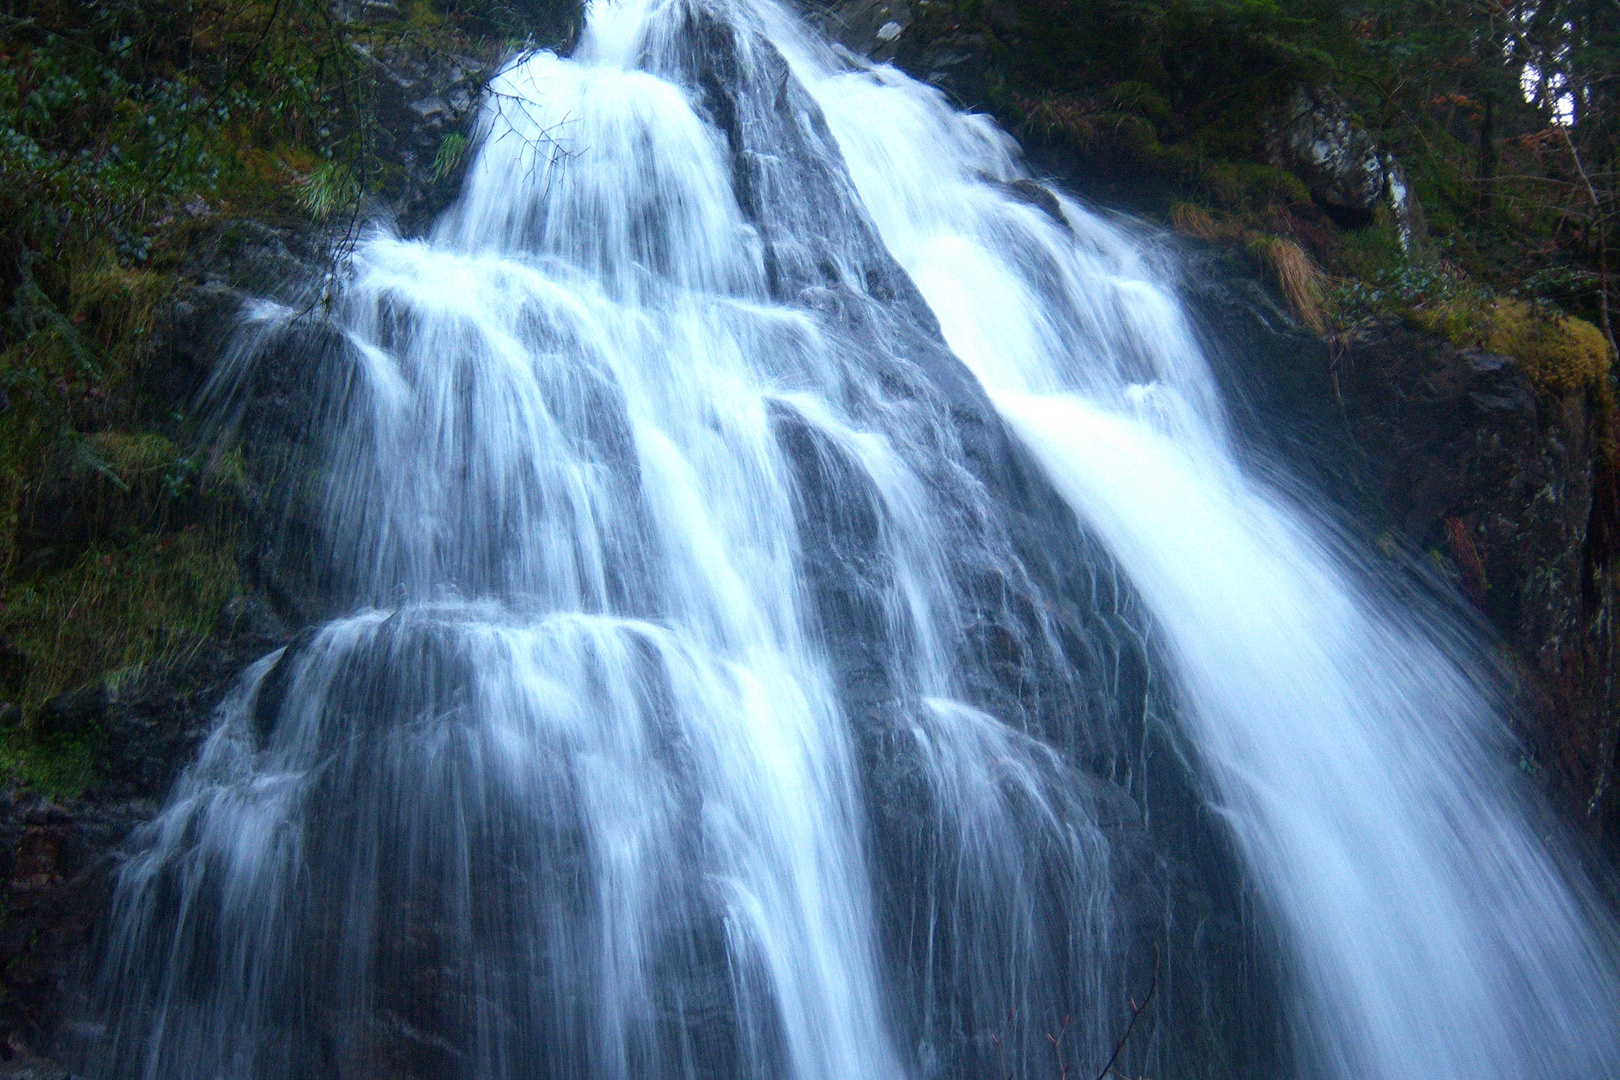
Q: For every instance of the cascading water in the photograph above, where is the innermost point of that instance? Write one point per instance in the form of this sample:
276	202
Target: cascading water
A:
726	695
1347	747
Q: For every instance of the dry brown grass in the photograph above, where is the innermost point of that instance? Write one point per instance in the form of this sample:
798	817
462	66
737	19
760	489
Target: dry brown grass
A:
1194	221
1302	282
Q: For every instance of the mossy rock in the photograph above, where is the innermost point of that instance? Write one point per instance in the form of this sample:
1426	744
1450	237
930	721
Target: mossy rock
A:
129	455
1558	352
116	608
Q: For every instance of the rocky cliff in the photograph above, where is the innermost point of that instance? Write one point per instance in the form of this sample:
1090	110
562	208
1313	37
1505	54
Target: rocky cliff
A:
225	481
1455	450
1483	485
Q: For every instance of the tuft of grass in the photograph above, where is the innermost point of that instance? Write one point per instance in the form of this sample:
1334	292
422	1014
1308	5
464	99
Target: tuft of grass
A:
1192	220
452	149
329	188
1297	275
1302	282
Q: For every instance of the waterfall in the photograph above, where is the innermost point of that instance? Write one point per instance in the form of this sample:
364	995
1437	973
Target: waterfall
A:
1349	747
804	619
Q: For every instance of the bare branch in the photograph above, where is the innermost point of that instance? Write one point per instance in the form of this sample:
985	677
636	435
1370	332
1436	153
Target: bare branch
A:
1602	239
1136	1011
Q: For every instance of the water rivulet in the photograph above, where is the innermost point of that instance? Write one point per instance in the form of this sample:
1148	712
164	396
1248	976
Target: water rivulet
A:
806	621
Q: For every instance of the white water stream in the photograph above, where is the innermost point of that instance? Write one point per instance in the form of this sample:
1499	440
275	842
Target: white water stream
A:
1350	750
580	788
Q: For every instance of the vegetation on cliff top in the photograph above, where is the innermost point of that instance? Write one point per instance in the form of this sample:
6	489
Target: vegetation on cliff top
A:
1504	113
130	131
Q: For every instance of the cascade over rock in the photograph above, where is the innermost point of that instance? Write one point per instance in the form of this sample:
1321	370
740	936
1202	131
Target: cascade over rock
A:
796	611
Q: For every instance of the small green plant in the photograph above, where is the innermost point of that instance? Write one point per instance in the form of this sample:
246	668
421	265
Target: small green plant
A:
452	151
330	188
1392	290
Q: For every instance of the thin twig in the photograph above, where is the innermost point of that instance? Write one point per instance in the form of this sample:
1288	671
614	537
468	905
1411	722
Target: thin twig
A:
1057	1048
1136	1011
1602	239
1001	1047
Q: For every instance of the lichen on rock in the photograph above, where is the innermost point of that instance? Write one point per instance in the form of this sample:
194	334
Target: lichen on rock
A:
1348	173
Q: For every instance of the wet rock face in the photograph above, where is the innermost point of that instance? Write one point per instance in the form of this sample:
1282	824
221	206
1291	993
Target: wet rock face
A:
913	38
1049	635
422	99
1496	481
1048	646
873	28
57	859
1466	458
1449	455
1474	484
422	94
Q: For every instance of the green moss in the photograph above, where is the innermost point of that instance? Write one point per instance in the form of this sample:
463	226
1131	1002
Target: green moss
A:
1374	251
116	609
1556	351
1254	186
130	456
424	15
59	768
